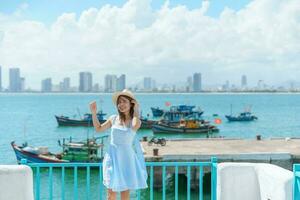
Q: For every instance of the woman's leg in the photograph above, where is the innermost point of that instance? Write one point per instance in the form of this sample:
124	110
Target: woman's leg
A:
125	195
111	195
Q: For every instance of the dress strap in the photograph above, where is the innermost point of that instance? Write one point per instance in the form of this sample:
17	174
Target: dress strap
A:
113	118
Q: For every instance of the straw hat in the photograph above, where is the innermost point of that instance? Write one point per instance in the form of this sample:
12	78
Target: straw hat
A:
125	92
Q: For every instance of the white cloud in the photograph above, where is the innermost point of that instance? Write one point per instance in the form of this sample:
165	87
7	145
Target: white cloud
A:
170	43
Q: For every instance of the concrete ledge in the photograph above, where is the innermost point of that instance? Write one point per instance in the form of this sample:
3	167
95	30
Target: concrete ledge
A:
249	181
16	182
241	156
280	151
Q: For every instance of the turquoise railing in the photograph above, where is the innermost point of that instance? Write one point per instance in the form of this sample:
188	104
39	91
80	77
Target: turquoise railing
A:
38	167
296	183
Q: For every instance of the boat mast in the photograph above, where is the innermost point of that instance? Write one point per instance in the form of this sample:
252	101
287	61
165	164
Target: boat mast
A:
79	113
24	128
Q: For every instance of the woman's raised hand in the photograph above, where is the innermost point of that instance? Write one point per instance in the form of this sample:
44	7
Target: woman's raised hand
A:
93	107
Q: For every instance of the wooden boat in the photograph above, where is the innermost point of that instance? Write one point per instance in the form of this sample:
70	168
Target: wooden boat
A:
86	151
242	117
85	121
147	123
176	116
157	112
182	108
185	126
171	118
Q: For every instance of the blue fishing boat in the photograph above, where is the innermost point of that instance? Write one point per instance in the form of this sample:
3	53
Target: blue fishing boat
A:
242	117
85	121
182	108
147	123
175	116
85	151
157	112
171	117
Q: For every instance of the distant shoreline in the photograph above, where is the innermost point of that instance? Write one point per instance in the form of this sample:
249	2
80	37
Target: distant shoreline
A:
152	93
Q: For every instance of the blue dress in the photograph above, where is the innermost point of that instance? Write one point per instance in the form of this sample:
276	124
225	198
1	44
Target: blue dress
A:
124	164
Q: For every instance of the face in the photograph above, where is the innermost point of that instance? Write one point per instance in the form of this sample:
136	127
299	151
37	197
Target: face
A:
123	104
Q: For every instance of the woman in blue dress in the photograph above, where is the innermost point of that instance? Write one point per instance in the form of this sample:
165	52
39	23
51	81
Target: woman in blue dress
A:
124	166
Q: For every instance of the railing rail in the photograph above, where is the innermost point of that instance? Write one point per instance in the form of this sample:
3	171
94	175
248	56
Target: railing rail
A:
151	166
296	182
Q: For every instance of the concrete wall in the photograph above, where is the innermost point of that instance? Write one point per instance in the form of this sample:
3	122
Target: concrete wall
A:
249	181
16	182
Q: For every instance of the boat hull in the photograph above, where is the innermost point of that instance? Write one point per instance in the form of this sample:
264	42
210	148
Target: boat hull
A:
33	158
63	121
240	119
147	124
162	128
39	158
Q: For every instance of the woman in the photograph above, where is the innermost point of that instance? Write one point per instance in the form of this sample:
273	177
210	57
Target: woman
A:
124	166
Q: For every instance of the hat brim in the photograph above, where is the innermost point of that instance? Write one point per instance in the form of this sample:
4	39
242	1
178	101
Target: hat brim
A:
117	94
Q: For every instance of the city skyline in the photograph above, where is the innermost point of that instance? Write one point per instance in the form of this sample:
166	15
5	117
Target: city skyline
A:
143	39
113	83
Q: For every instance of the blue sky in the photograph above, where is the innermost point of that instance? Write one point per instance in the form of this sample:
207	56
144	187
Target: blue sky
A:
45	38
48	10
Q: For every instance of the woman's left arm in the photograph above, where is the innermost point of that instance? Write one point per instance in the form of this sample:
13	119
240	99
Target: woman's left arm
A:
136	122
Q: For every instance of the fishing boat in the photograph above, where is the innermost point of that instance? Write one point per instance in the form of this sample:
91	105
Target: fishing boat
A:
171	117
185	126
147	123
86	120
241	117
157	112
85	151
174	116
182	108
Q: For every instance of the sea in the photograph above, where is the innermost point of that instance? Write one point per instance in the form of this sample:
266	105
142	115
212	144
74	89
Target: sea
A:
30	117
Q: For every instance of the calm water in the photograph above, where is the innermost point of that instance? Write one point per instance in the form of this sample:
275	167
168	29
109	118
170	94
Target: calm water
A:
30	117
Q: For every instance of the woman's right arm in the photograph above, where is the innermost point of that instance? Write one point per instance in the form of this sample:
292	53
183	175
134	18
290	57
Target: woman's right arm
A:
98	126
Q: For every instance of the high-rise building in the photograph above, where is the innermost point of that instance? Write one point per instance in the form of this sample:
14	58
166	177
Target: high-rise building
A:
107	83
197	82
66	85
260	84
14	80
85	82
110	83
96	87
147	83
189	84
153	84
22	82
114	81
47	85
244	81
121	82
226	86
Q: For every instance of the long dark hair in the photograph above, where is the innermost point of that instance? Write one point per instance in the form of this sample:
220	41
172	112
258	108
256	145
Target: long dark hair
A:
131	111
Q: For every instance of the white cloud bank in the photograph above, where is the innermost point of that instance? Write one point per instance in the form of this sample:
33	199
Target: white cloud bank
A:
261	40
